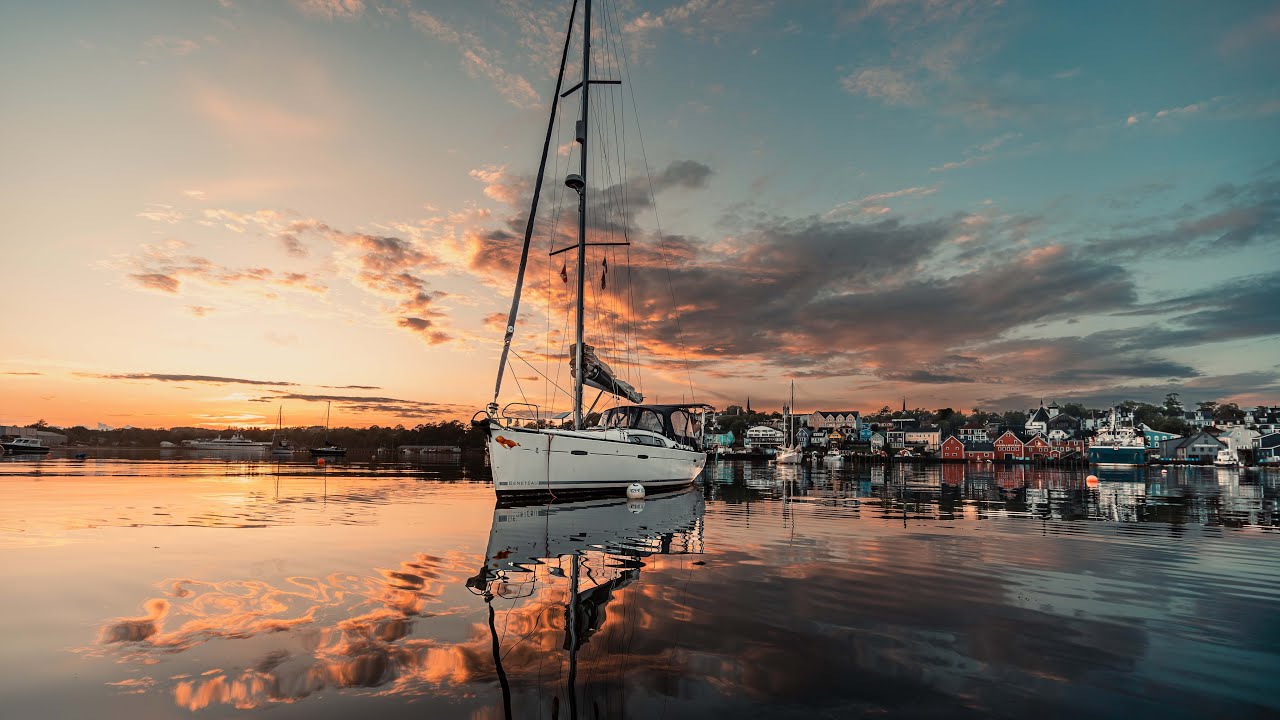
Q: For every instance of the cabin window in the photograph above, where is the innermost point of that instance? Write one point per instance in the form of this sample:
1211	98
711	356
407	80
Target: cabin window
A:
683	425
647	440
649	420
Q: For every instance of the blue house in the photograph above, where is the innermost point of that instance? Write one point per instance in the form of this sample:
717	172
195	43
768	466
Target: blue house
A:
720	440
1155	437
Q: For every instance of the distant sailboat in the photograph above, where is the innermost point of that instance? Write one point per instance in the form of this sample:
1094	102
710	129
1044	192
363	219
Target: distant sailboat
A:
791	453
280	445
328	449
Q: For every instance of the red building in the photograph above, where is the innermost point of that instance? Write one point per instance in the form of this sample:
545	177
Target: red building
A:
1037	448
1009	447
952	449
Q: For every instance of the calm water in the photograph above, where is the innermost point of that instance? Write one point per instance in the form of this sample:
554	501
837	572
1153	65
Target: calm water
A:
150	587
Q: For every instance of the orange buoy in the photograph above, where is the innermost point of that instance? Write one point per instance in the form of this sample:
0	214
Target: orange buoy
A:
1091	481
320	461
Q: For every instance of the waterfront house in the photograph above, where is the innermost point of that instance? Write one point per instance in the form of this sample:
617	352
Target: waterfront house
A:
1265	418
1198	418
1266	448
877	441
1037	448
1062	426
952	448
804	436
1038	421
835	438
1155	437
979	450
720	440
973	432
1009	446
843	420
1197	447
929	438
764	436
1239	438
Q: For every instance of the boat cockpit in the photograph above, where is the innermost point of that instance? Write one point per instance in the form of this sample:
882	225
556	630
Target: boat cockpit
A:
678	423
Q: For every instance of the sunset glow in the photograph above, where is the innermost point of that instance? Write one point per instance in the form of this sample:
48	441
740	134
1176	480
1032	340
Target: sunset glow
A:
213	210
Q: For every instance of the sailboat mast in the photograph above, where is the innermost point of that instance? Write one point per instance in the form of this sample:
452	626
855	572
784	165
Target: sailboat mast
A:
533	214
582	213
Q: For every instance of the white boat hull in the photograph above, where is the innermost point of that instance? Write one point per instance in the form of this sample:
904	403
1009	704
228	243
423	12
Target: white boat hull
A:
530	461
788	457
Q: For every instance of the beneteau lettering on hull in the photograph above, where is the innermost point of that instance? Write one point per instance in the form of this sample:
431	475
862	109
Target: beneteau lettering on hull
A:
657	446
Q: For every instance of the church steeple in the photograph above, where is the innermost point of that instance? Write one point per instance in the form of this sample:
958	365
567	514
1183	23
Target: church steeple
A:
748	404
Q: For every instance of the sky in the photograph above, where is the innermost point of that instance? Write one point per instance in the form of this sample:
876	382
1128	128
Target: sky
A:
212	211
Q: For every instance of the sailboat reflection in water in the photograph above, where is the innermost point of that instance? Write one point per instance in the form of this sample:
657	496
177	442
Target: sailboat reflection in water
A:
597	547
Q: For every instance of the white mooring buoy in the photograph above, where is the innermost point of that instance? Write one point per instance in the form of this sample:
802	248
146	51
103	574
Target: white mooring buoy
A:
635	491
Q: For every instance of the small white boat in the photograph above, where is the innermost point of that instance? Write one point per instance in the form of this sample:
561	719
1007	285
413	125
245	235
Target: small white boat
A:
1226	458
833	457
23	446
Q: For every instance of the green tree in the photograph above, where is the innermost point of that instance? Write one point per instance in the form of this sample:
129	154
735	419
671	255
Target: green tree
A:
1228	413
1172	405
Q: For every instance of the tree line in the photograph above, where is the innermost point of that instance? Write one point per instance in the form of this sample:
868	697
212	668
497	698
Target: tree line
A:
451	432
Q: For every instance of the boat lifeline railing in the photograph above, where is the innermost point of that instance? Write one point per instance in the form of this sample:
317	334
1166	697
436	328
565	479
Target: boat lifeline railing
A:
509	415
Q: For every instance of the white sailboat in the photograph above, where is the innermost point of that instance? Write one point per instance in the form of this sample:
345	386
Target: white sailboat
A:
657	446
791	453
280	445
329	449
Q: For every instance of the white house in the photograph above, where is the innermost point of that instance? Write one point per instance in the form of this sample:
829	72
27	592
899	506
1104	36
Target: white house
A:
1239	438
930	437
764	436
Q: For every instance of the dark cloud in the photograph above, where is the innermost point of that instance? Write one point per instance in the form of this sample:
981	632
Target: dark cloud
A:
379	405
926	377
21	373
292	245
161	377
425	328
885	300
1238	308
1251	387
1231	217
164	269
157	281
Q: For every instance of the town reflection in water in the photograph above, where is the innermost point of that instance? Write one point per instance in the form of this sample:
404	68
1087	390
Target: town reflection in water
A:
907	590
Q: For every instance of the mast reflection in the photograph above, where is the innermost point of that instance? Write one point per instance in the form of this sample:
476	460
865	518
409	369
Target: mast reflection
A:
598	546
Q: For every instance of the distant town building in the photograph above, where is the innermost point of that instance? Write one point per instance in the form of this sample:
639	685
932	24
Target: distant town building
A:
1239	438
1265	418
835	420
1155	437
764	436
1266	448
929	438
1197	447
50	439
